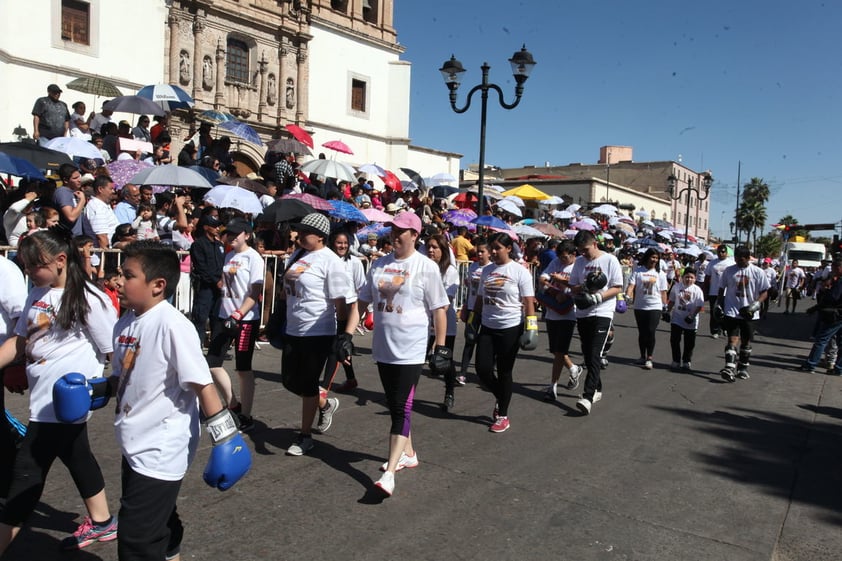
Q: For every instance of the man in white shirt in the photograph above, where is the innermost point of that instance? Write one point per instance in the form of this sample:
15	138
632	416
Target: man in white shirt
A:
99	221
713	274
795	279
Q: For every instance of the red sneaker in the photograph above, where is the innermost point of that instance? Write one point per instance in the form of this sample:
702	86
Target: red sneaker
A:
500	425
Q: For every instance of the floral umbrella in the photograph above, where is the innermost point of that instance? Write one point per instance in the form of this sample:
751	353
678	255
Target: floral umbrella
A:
583	225
459	217
376	215
121	171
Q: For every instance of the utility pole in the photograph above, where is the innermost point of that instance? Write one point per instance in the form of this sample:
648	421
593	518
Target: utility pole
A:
737	209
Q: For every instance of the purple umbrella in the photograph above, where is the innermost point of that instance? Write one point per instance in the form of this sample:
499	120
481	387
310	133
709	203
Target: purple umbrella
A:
582	225
121	171
459	217
379	229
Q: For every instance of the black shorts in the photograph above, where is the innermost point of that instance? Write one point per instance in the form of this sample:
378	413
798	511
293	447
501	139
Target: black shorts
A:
560	334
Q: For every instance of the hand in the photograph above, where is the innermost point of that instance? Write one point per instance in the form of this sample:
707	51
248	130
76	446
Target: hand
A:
690	320
74	395
230	457
718	312
585	300
14	378
529	337
748	311
231	325
665	313
441	360
343	347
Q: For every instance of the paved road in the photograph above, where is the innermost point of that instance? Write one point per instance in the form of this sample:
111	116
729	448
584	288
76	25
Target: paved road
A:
668	467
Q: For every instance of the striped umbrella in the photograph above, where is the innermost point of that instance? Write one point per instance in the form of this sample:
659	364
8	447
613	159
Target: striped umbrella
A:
168	96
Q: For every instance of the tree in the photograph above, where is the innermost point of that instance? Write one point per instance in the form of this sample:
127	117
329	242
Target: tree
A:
751	214
769	245
792	222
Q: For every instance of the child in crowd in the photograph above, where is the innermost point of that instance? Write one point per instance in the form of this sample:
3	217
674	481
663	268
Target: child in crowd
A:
66	326
686	301
158	374
144	224
50	217
109	286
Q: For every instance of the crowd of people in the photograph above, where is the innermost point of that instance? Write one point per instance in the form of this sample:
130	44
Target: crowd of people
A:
86	313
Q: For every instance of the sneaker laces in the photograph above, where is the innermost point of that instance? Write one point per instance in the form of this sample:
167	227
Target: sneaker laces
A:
84	528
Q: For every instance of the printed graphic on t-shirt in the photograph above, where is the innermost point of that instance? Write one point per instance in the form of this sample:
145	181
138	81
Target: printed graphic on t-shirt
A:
683	299
741	284
389	289
45	315
129	347
292	275
494	285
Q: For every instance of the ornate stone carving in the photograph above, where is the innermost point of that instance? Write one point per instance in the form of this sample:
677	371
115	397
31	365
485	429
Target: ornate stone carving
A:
198	25
290	94
271	90
184	71
207	73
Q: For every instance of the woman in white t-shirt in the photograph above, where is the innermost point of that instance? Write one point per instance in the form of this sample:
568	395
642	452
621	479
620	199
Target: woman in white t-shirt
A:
340	244
505	292
405	288
319	296
648	291
65	327
239	318
438	250
686	301
473	276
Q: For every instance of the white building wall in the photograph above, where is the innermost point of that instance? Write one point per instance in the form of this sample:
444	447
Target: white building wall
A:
127	48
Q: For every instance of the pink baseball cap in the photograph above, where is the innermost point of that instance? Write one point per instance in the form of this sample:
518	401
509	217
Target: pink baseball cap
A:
407	221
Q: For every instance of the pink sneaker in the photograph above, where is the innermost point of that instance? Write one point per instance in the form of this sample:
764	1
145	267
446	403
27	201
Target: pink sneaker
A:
87	533
500	425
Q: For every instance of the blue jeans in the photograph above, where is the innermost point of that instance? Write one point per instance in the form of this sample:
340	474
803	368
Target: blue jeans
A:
826	331
205	306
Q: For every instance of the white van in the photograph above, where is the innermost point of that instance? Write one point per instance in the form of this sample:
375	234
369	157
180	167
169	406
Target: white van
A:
808	254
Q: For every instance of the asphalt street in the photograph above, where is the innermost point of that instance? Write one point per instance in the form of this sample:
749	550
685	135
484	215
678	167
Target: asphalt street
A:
669	466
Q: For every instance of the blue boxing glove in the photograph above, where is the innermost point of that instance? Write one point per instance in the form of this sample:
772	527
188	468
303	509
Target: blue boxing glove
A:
74	395
230	457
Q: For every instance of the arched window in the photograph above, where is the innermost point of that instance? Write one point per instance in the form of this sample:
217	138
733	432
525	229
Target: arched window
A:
237	63
370	11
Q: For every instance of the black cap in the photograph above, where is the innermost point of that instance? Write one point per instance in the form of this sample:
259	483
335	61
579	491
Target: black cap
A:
209	220
237	226
53	88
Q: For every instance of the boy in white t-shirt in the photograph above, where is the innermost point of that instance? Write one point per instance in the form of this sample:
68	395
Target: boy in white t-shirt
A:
158	374
686	302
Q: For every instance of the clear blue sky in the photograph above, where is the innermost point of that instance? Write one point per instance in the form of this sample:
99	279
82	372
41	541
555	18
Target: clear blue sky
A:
715	82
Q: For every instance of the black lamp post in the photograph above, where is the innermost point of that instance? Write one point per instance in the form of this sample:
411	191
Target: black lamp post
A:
702	191
522	63
732	224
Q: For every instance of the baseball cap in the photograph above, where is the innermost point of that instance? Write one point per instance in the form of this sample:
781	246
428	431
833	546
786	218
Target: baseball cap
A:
53	88
237	226
407	221
313	223
209	220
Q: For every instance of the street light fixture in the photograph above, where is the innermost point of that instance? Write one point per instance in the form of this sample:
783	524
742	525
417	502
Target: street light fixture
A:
452	70
692	187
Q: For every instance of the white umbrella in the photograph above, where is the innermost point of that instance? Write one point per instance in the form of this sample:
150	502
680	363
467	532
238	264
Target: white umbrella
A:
495	188
648	223
552	201
574	207
439	178
642	213
373	169
665	234
516	200
590	220
610	210
563	214
231	196
526	232
330	168
170	174
75	147
510	207
487	192
690	250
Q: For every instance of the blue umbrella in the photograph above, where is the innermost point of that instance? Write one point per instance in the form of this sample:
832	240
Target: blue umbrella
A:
242	130
491	222
19	167
346	211
210	174
379	229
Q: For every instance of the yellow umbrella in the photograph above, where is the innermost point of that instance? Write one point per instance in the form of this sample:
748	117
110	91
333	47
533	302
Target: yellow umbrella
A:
527	192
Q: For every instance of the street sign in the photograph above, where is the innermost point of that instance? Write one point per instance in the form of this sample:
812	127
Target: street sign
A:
831	226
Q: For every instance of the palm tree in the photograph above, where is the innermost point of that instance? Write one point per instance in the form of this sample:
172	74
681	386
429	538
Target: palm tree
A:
751	215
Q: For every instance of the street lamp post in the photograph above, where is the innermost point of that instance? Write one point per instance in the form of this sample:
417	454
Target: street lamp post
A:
702	191
522	64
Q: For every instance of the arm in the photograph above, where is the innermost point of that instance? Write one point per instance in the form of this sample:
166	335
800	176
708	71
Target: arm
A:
72	213
11	350
440	324
103	240
36	120
180	215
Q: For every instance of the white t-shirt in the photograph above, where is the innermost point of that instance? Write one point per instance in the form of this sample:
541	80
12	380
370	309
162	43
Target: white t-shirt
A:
794	277
771	275
239	273
451	287
686	300
157	356
99	219
311	285
668	268
742	287
701	268
714	273
52	352
564	271
502	289
472	280
611	268
12	297
355	271
403	293
648	285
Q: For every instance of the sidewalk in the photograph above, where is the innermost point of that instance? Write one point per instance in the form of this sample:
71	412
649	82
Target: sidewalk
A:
668	467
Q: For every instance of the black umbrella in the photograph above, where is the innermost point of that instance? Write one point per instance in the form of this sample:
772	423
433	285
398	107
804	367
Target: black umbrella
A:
443	191
284	210
415	177
40	157
287	145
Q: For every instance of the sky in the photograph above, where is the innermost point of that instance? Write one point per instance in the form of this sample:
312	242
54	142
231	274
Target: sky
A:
715	85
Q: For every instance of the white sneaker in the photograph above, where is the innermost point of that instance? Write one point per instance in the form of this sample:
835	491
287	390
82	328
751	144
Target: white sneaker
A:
687	366
386	483
575	374
551	393
326	414
404	462
596	396
301	446
584	405
648	365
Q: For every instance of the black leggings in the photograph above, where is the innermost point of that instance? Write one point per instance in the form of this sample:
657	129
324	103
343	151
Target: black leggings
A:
43	443
498	346
676	332
243	344
593	334
303	361
715	324
399	383
647	327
